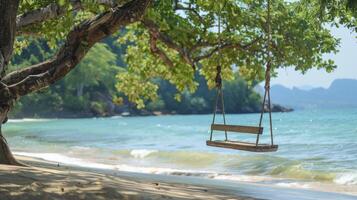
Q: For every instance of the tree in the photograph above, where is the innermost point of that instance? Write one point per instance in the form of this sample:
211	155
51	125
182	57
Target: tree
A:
81	36
170	39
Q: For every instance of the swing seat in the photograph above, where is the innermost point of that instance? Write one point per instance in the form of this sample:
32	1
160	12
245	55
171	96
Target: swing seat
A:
237	128
245	146
237	145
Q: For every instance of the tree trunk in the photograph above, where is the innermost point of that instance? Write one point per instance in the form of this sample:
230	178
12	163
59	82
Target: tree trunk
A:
8	11
6	156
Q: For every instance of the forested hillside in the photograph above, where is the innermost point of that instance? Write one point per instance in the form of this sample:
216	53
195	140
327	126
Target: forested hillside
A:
90	90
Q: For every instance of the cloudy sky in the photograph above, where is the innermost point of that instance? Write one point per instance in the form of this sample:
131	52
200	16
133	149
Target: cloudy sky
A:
346	60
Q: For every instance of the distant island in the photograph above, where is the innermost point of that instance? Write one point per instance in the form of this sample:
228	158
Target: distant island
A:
342	93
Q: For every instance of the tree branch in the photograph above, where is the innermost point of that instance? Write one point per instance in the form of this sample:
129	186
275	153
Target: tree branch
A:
158	52
186	54
78	43
8	10
53	11
154	29
202	44
226	46
178	6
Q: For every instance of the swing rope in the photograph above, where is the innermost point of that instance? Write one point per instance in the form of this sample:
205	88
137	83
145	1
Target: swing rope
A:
218	79
267	79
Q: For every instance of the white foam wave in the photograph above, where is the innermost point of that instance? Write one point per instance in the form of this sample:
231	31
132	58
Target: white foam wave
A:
346	179
28	120
54	157
141	153
116	117
241	178
294	185
81	148
159	170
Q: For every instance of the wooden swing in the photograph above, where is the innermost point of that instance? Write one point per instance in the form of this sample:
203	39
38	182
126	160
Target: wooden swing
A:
257	130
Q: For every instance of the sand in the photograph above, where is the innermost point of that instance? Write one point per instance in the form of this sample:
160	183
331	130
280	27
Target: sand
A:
45	180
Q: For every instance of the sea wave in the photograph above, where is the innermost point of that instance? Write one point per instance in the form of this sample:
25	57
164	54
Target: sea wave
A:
28	120
297	171
294	185
253	166
141	153
293	179
55	157
346	179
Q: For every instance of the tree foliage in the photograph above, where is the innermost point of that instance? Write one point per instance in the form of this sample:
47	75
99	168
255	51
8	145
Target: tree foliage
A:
339	12
177	38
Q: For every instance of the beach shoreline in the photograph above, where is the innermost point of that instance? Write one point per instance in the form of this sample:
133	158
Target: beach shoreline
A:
48	180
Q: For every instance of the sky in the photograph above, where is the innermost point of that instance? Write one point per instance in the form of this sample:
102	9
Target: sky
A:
345	59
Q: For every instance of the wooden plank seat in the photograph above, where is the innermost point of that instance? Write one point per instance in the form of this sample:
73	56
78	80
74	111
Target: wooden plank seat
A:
236	128
245	146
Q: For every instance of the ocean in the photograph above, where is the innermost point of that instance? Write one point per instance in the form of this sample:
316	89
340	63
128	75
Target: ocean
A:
316	147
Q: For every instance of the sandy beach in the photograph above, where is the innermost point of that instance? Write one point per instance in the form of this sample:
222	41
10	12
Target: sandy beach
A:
47	180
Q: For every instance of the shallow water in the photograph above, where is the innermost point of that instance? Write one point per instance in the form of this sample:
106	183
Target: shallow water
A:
314	146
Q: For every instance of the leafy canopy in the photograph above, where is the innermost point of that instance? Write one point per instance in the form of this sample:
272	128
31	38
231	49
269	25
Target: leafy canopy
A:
178	38
299	40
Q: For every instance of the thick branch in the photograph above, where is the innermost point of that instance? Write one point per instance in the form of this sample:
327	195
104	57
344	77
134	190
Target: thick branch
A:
154	29
78	43
53	11
158	52
8	10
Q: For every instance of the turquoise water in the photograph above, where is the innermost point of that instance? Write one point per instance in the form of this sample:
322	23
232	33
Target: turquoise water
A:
314	146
